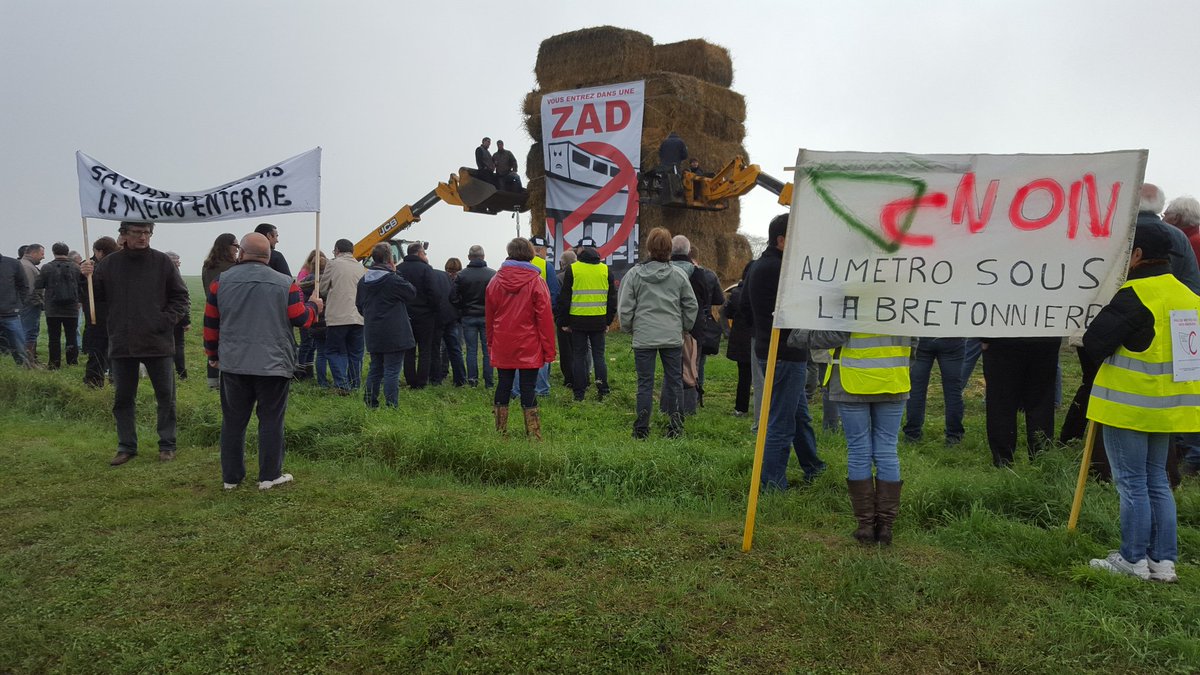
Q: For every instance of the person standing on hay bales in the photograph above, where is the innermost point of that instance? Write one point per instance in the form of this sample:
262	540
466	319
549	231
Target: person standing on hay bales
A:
505	162
788	423
249	315
1139	399
672	152
520	333
587	304
485	166
145	297
657	305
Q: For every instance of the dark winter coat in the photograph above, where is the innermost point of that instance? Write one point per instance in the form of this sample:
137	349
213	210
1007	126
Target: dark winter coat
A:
145	298
381	299
737	324
432	286
1183	259
472	283
279	263
14	288
519	318
762	286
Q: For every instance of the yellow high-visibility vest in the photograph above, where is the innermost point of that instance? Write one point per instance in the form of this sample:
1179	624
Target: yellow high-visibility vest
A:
1137	390
540	263
875	364
589	289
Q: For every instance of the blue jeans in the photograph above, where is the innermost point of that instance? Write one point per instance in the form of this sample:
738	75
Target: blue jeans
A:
872	430
322	358
1139	468
384	369
475	339
948	352
14	333
31	322
672	396
789	425
344	349
580	342
974	347
541	388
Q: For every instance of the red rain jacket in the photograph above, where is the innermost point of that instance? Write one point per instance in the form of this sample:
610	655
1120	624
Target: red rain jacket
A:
520	320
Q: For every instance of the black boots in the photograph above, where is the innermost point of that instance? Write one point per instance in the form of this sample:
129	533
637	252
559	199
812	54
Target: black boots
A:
887	507
876	504
862	499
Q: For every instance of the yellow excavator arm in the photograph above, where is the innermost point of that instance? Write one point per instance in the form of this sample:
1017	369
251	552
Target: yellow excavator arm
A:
710	193
461	189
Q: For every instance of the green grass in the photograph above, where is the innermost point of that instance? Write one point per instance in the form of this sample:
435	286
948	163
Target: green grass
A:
418	540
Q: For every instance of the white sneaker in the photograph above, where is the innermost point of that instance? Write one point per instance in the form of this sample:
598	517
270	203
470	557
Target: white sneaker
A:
1163	571
268	484
230	486
1118	565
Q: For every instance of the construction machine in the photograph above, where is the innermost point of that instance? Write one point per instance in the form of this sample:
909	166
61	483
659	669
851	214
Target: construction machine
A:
678	187
467	189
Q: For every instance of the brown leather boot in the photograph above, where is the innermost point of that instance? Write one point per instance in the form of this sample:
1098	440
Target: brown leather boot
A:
887	507
862	499
533	424
501	413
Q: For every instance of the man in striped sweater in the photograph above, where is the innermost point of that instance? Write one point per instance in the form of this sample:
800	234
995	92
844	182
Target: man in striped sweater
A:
248	320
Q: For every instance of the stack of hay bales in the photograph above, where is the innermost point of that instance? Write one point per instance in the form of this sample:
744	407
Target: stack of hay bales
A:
687	91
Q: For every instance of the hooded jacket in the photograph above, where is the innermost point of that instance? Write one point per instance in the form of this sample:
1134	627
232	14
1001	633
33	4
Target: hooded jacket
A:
519	318
657	305
381	299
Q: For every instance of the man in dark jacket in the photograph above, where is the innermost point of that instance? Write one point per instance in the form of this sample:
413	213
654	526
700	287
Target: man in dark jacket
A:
672	152
484	164
381	299
788	422
472	283
587	304
248	334
278	262
60	279
14	292
427	311
507	177
145	298
715	298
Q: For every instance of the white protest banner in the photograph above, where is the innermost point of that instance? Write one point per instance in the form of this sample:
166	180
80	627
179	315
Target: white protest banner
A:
592	140
290	186
957	245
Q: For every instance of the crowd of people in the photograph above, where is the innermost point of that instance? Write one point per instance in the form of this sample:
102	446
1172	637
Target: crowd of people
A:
428	325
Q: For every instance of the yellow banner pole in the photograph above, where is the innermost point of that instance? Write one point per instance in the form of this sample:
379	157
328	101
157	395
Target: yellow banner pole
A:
87	247
1077	503
316	270
764	410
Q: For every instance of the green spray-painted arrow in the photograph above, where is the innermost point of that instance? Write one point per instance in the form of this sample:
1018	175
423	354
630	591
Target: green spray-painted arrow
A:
820	179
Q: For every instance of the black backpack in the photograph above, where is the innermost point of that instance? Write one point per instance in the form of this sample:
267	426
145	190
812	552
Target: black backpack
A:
707	331
61	286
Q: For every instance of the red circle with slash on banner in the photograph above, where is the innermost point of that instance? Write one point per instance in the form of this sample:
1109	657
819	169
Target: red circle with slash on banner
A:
626	178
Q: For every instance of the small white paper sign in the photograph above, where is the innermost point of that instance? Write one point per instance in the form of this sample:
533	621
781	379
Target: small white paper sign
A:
1185	345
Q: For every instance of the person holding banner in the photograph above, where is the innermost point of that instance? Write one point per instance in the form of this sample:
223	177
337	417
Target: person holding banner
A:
869	380
788	422
145	298
1147	388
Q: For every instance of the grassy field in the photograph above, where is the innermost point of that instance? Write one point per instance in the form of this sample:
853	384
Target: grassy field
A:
417	540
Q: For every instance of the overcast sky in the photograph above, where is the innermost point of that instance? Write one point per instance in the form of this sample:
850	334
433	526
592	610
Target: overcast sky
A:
186	95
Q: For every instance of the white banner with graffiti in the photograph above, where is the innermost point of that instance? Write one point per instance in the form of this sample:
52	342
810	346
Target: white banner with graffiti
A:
592	140
290	186
957	245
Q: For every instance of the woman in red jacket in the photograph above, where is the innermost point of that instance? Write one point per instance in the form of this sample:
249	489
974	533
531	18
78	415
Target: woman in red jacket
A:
520	332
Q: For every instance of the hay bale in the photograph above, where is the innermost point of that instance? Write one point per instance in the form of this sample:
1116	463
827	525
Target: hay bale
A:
722	100
593	56
535	182
697	58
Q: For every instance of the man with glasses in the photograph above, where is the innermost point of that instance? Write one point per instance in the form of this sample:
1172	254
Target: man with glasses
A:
145	298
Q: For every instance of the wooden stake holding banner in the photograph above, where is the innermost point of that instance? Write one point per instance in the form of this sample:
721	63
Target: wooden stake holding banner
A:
1085	464
87	246
316	270
764	411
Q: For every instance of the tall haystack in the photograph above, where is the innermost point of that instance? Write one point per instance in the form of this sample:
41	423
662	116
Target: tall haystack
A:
687	91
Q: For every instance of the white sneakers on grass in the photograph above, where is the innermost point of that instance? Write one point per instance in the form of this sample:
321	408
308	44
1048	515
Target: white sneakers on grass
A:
1162	571
1145	569
268	484
1117	564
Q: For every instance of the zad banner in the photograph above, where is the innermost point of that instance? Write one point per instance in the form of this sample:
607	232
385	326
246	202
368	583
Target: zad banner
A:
592	139
290	186
957	245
